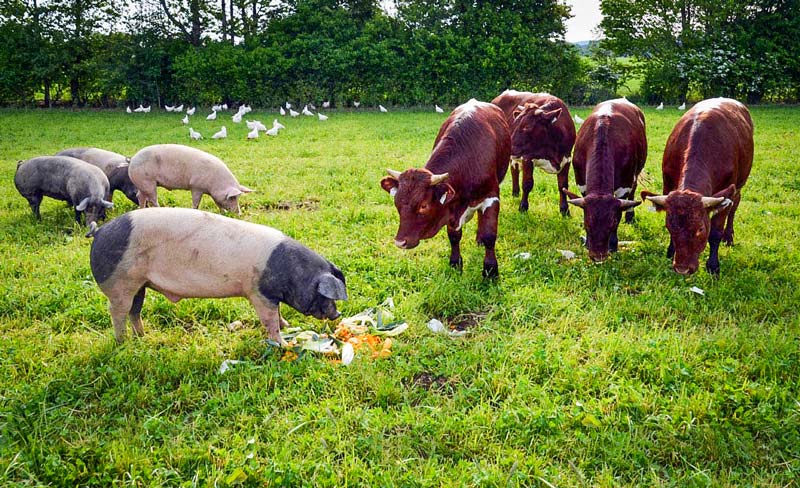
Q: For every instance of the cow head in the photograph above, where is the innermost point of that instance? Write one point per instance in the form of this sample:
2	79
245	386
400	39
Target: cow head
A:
601	216
533	133
689	222
422	200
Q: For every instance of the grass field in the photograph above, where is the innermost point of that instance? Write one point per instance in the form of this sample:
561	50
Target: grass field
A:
574	374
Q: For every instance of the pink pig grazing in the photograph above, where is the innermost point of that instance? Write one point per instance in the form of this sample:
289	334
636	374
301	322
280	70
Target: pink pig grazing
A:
173	166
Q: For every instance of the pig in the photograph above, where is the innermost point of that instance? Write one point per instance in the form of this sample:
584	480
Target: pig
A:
174	166
77	182
114	165
185	253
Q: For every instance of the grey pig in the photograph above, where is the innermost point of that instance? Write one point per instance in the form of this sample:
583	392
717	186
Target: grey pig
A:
114	165
174	166
64	178
185	253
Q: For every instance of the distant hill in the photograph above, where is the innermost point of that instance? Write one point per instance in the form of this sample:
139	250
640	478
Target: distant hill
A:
585	46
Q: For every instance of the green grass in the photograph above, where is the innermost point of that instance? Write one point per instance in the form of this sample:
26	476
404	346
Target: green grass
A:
576	375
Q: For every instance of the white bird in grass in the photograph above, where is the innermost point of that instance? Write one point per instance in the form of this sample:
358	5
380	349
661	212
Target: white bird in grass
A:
216	108
322	117
288	105
185	120
128	109
293	113
222	134
212	116
356	104
311	105
382	108
283	112
194	134
277	125
168	108
237	118
326	104
272	132
577	119
682	106
139	109
306	111
660	106
438	109
224	106
248	109
253	134
257	125
179	108
191	111
146	109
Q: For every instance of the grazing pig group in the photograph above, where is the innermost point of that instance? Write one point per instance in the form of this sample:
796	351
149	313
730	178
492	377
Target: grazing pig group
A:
81	185
173	166
184	253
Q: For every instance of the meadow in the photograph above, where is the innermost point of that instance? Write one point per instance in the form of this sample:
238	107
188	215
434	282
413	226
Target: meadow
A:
572	374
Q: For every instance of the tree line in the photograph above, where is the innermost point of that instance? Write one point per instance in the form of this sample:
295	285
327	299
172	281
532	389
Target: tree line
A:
264	52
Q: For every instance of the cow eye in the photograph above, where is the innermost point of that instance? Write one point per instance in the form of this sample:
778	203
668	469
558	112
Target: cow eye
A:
423	208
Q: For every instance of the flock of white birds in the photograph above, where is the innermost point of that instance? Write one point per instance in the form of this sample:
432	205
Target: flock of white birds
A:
255	126
579	120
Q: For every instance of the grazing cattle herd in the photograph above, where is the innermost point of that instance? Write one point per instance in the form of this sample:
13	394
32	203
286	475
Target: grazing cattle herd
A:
188	253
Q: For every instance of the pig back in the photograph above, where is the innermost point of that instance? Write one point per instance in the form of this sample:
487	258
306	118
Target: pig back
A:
61	177
174	166
107	161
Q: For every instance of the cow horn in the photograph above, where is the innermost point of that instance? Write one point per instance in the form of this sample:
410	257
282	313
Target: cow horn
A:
394	174
436	179
659	200
711	202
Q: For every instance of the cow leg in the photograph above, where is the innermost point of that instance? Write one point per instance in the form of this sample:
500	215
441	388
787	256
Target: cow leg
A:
487	234
613	242
514	179
196	196
270	316
631	196
455	248
135	313
714	238
527	184
563	182
670	249
727	236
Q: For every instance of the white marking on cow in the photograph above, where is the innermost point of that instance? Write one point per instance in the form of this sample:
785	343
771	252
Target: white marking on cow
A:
621	192
393	192
443	198
605	109
516	162
582	189
470	211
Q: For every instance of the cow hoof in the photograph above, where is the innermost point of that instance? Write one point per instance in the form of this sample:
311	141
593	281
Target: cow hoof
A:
713	270
728	241
565	212
457	264
523	206
515	193
490	271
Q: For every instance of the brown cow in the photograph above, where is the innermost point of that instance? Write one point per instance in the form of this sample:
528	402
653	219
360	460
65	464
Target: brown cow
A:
706	163
609	155
542	134
463	174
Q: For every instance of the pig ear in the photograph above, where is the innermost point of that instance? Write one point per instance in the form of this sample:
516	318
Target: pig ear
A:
244	189
82	206
233	193
332	287
107	204
389	184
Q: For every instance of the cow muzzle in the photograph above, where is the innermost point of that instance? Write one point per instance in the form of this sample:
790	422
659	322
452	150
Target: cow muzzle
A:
684	270
405	243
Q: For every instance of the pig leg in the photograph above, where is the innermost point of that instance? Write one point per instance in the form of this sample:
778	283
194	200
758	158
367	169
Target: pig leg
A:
122	301
487	235
147	194
727	236
455	248
514	179
196	196
270	316
35	201
563	182
135	313
284	323
527	184
78	217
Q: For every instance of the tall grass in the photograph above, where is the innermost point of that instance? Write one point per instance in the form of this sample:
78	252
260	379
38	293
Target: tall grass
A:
573	374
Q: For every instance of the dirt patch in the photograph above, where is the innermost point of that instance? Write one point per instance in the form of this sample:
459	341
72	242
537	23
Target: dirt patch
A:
466	321
429	381
309	204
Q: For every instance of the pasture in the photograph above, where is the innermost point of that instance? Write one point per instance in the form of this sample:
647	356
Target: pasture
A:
573	373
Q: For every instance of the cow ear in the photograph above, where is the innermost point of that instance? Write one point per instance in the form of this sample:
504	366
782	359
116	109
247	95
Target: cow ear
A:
728	192
658	201
389	184
552	115
444	193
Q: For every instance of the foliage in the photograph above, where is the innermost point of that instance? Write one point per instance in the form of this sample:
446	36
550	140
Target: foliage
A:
574	374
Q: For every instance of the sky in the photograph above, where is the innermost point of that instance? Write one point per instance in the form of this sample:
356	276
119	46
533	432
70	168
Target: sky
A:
586	17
